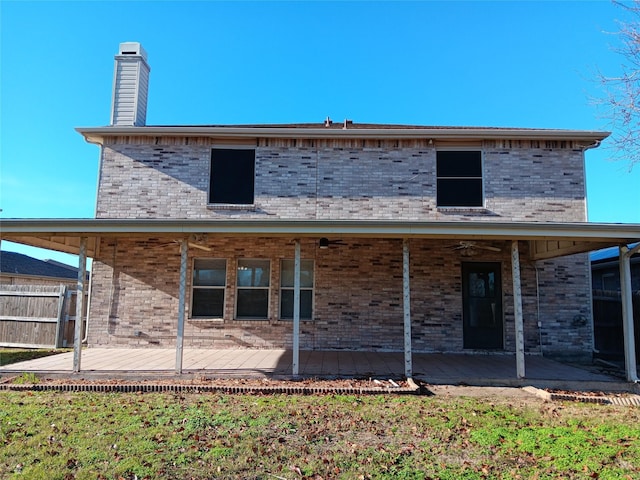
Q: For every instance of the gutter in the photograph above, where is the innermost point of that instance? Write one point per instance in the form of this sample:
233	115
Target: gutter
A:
626	233
98	134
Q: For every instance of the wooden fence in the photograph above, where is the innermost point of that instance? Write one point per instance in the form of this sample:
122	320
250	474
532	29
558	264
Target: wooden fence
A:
37	316
607	323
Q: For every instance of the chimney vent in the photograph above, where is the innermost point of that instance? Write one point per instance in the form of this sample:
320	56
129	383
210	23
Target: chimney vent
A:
130	86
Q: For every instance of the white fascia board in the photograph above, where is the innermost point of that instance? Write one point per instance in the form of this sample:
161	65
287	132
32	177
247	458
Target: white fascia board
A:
97	134
624	233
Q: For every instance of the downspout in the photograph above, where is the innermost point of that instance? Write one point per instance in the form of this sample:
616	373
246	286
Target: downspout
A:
535	268
88	315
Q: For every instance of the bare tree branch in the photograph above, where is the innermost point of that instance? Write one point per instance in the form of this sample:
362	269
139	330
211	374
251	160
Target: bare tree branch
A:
621	100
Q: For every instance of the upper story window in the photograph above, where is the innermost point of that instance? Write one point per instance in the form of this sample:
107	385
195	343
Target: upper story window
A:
459	179
208	287
232	176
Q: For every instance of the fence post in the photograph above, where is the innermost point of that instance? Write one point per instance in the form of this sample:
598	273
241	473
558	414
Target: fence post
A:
60	322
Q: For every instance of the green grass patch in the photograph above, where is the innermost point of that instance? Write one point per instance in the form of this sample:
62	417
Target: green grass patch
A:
15	355
26	378
91	435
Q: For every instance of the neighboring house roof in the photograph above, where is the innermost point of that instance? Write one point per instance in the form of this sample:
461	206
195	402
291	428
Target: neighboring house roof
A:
347	129
610	254
13	263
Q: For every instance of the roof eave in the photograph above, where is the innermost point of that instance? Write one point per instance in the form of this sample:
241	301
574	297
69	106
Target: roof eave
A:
98	134
302	227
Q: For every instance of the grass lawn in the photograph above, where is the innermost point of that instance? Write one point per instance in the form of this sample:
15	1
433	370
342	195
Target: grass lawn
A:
91	435
14	355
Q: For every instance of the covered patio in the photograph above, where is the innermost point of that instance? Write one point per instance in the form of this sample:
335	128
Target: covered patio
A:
543	241
449	369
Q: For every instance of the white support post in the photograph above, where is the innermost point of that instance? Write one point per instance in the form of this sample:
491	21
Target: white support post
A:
82	275
517	308
296	310
406	302
627	313
184	252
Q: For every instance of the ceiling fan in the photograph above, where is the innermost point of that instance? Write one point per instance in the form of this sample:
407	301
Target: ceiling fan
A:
194	241
326	243
469	248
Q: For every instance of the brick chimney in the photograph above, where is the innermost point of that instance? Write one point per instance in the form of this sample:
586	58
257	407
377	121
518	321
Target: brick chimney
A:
130	85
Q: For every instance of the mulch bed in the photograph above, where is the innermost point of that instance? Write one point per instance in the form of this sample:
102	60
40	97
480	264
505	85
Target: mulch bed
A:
601	397
202	385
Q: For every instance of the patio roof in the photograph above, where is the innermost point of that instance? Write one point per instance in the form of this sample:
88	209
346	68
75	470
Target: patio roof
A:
547	240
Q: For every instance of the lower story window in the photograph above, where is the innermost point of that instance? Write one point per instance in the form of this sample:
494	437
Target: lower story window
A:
252	289
209	281
306	289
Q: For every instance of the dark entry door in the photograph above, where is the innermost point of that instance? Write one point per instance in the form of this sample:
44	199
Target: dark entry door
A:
482	306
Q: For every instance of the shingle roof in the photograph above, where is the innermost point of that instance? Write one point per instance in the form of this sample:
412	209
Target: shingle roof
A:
17	263
353	125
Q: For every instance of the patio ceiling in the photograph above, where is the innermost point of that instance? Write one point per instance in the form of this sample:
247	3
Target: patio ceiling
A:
547	240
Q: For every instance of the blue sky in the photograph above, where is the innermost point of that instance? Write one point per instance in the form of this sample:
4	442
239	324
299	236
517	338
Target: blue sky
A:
510	64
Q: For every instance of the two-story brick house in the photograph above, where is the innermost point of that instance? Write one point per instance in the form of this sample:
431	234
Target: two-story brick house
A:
336	235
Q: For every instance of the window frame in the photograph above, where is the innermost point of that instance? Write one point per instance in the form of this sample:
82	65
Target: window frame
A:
481	178
227	205
292	288
208	287
240	287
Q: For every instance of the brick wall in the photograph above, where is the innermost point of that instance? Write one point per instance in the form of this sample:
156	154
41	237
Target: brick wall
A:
566	307
169	178
357	297
358	292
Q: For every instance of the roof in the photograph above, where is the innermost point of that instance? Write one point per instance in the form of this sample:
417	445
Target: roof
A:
547	239
17	263
345	129
608	254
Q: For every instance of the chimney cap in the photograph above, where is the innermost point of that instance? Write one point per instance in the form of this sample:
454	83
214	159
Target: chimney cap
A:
132	48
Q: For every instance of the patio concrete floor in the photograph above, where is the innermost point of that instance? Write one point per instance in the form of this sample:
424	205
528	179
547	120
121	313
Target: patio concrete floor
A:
450	369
